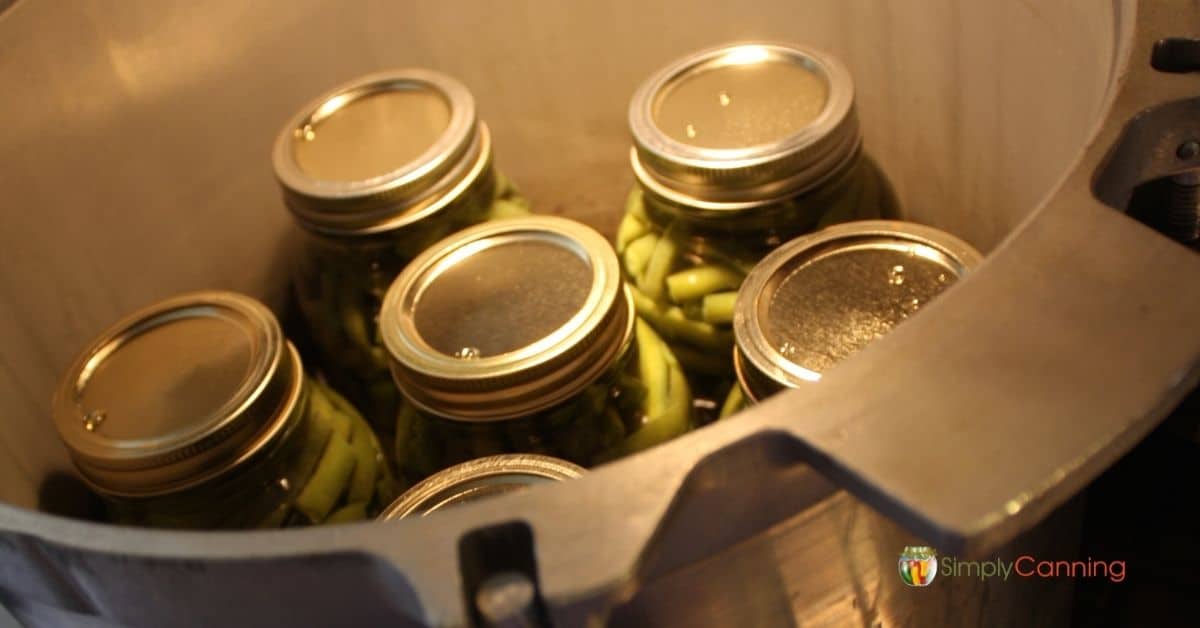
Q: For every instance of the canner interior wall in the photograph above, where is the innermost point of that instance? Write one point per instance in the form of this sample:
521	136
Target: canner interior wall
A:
134	158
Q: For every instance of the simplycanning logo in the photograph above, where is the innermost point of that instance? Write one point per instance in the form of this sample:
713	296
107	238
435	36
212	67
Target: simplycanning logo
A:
919	566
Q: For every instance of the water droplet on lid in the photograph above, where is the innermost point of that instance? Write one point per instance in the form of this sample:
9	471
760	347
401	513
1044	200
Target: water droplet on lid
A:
467	353
691	131
285	485
896	275
787	349
306	133
942	278
93	419
724	98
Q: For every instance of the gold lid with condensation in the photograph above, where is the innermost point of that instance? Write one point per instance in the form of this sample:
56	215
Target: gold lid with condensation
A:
820	298
177	393
506	318
739	126
381	152
477	479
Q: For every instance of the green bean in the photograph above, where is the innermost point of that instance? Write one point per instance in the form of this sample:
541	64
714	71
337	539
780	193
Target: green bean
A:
355	325
355	511
661	260
718	307
630	229
671	321
637	255
705	362
634	204
652	366
366	467
502	208
661	427
404	428
693	310
317	432
322	410
735	401
503	187
695	282
329	482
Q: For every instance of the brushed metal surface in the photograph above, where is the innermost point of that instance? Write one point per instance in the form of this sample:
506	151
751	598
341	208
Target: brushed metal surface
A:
978	110
137	157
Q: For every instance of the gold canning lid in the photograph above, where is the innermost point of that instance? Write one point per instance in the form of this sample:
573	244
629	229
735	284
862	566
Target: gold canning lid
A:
479	479
506	318
744	125
820	298
381	152
177	393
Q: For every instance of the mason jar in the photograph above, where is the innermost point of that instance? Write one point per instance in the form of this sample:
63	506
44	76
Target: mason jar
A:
519	336
477	479
822	297
195	412
736	150
373	172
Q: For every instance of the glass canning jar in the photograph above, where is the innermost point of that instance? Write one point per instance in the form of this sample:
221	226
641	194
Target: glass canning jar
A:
373	172
195	412
822	297
519	337
736	150
477	479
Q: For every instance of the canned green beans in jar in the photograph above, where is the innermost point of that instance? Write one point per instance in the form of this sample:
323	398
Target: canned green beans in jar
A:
478	479
519	337
736	150
823	297
374	171
195	412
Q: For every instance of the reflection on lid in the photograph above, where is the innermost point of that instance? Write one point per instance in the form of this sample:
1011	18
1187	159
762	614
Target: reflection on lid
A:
836	304
168	378
369	136
741	104
502	298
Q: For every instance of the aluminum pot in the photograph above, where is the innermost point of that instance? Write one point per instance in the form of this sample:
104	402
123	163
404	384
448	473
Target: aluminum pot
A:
139	147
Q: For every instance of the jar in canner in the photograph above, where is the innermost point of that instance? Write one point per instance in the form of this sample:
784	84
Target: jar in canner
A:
519	336
373	172
820	298
736	150
480	478
195	412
